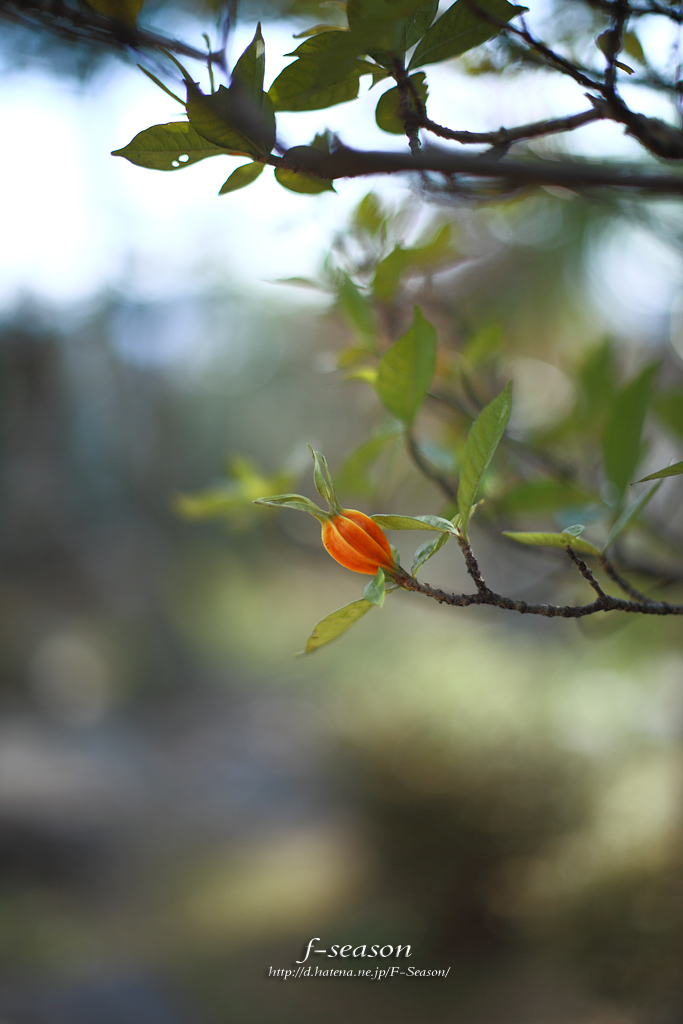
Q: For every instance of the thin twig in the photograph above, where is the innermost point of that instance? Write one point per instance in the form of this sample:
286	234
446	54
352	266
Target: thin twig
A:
621	582
507	136
585	571
473	566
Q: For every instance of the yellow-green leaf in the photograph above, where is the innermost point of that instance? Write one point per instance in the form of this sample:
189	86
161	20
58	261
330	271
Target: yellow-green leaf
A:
389	113
299	181
336	623
555	540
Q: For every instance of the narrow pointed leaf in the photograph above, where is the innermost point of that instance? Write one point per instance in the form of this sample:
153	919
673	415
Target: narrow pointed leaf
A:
336	623
630	513
674	470
406	370
296	501
241	177
323	480
466	24
482	440
249	70
621	439
555	540
391	522
169	147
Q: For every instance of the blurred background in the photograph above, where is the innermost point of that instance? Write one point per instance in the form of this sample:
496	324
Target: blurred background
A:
183	803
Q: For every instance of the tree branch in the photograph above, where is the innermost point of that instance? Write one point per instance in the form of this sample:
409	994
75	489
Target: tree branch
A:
507	136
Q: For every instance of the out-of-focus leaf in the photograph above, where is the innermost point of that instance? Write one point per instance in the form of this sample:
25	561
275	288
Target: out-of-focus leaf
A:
241	177
169	147
390	271
555	540
461	28
543	496
483	344
357	310
674	470
389	113
120	10
388	274
295	501
369	215
482	440
375	590
630	513
382	25
406	370
336	623
633	47
668	406
354	473
395	522
621	439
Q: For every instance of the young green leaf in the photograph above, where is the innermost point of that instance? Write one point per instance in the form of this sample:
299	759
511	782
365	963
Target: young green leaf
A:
391	522
389	113
169	147
463	26
375	590
325	73
555	540
241	177
674	470
357	309
296	501
336	623
233	119
482	440
630	512
621	439
406	370
323	481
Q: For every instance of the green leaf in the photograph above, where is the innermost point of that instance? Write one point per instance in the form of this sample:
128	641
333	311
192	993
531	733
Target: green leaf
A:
391	522
325	73
630	512
336	623
543	496
461	28
375	590
296	501
382	26
354	472
425	552
233	119
168	147
389	113
406	370
555	540
299	181
418	23
241	177
369	216
482	440
674	470
621	439
249	70
388	274
120	10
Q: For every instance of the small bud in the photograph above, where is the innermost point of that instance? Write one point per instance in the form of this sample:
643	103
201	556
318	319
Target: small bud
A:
356	542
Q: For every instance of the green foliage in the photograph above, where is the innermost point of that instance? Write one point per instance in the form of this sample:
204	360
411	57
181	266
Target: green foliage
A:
483	438
336	623
630	513
300	181
125	11
169	147
415	523
241	177
555	540
375	590
461	28
325	73
406	370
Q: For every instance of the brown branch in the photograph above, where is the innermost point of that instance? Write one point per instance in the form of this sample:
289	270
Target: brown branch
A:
507	136
577	175
620	581
606	603
585	571
473	566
